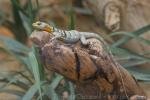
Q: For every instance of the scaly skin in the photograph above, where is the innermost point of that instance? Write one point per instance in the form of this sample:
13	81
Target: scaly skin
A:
66	36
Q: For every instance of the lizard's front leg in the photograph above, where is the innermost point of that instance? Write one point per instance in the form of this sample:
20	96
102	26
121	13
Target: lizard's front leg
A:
57	35
53	39
83	40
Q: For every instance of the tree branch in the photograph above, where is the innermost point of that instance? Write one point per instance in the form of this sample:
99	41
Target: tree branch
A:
95	72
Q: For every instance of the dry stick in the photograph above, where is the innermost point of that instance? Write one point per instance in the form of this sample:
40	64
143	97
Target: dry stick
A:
116	64
105	45
55	52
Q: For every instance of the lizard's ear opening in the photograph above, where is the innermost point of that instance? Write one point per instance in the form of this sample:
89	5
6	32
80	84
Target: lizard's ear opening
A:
48	29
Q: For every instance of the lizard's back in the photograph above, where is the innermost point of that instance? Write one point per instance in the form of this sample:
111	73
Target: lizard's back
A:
67	36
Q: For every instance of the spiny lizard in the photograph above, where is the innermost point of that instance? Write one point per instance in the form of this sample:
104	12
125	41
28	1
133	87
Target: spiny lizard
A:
66	36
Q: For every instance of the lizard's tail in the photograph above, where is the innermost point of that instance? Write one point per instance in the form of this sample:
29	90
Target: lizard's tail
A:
91	35
94	35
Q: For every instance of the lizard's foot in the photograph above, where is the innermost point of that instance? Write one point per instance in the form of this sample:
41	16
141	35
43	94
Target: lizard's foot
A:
84	41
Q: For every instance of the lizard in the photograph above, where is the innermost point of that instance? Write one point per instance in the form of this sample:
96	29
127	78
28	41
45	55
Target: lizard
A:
71	36
75	36
66	36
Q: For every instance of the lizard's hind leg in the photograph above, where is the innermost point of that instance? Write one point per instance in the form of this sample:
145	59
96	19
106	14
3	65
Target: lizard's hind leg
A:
83	40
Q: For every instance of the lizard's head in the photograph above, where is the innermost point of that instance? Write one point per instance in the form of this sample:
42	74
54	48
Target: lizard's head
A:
42	26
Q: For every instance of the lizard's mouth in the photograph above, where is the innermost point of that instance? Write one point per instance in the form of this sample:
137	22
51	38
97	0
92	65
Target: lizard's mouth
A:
48	29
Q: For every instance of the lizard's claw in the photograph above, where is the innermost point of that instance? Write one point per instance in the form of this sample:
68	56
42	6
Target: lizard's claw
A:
52	39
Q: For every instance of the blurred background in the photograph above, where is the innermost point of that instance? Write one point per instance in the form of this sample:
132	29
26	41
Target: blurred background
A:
123	24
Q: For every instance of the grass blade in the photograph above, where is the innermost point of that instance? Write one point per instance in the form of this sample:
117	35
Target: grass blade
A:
139	75
26	21
125	39
125	53
31	14
131	35
72	19
18	22
30	93
41	66
36	72
51	93
128	58
134	62
56	81
16	49
12	91
72	91
12	80
14	45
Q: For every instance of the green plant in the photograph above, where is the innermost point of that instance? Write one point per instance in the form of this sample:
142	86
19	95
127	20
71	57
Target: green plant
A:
23	18
36	85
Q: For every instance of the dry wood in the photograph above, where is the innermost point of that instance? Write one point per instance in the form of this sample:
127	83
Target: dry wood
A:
93	71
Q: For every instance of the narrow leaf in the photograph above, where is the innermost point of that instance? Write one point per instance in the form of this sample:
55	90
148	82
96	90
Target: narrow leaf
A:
72	19
132	36
125	39
72	91
125	53
56	81
51	93
12	91
36	73
14	45
26	22
131	63
139	75
30	93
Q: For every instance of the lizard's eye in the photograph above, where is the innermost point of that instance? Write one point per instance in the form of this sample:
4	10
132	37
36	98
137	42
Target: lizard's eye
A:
38	23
